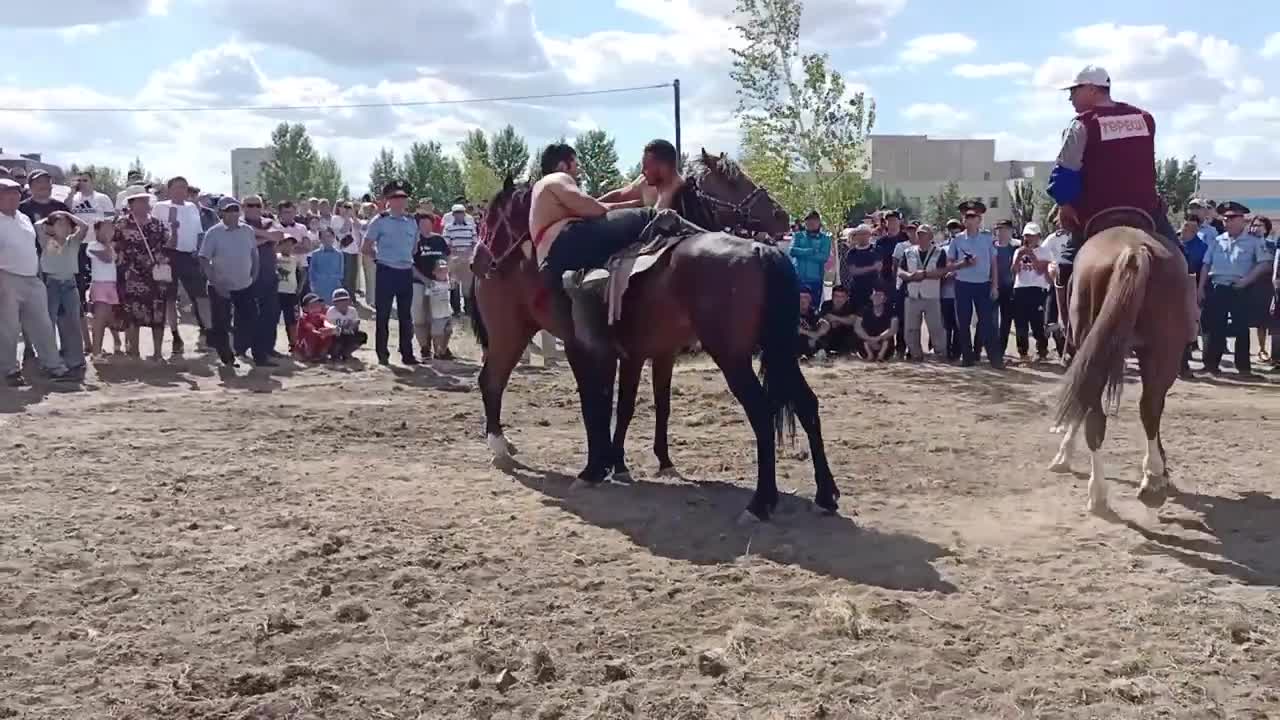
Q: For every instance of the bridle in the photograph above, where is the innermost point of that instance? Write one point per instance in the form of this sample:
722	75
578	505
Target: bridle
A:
503	221
740	211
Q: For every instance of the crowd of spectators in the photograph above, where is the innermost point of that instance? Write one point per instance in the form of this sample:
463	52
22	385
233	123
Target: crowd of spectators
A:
892	289
76	265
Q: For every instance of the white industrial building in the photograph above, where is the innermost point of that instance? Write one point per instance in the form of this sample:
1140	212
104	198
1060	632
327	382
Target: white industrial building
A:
246	170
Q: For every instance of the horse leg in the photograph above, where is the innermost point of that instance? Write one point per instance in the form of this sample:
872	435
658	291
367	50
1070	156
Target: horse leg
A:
629	370
1095	431
1155	472
1062	461
500	360
750	393
662	370
805	403
594	376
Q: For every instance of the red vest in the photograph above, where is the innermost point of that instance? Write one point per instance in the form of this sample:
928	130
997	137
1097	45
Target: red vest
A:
1119	161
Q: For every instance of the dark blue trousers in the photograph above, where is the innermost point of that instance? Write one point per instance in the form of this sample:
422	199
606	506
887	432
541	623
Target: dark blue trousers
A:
393	285
971	299
248	322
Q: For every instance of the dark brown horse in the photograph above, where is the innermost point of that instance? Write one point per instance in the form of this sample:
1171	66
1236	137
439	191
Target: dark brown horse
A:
733	295
1129	295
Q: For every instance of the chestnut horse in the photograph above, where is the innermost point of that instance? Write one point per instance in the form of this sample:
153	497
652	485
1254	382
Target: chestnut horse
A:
1128	295
733	295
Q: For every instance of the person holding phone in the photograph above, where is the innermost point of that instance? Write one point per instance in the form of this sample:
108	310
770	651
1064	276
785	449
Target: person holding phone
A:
186	231
972	255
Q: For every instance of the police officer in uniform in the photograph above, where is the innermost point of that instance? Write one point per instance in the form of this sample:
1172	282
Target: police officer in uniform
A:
972	256
1233	262
1107	160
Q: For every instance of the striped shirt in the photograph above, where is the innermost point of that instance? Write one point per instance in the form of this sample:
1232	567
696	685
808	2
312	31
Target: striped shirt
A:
460	235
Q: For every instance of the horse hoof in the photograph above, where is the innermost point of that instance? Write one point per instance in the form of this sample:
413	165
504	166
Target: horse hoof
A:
1099	508
670	471
1060	467
583	484
503	462
1153	497
622	476
749	519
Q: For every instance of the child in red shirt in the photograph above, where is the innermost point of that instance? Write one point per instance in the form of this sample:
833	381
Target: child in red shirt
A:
315	333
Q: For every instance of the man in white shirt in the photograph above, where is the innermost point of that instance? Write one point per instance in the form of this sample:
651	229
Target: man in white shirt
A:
460	233
24	301
185	226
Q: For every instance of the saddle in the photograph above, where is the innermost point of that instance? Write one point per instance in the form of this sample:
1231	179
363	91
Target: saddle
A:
1120	217
597	293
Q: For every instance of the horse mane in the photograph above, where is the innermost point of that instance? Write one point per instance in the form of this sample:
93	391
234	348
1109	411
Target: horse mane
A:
516	195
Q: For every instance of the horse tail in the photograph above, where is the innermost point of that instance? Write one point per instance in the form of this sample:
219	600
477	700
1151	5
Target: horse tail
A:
779	338
1098	366
477	320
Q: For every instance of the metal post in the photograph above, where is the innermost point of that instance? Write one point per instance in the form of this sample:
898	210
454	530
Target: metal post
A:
675	86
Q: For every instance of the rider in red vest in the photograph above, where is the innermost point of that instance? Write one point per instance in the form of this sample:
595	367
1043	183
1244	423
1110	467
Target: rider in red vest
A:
1107	160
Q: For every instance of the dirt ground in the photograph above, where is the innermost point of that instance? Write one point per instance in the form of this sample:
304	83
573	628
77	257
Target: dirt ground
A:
321	543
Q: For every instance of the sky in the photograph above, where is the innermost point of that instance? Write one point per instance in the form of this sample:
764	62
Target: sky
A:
933	67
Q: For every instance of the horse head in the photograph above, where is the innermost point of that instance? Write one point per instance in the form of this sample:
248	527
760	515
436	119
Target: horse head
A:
506	225
733	199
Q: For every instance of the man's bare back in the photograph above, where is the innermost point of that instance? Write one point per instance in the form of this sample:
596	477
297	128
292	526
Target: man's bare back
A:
557	201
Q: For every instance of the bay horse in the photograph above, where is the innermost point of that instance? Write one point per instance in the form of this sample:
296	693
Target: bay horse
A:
1128	296
732	294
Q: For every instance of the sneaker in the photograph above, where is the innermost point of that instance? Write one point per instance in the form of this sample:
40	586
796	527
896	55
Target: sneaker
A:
65	376
446	355
15	380
409	360
384	360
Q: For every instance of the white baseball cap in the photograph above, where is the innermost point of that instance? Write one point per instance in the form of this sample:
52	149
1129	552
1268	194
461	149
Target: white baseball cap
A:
1031	229
1091	75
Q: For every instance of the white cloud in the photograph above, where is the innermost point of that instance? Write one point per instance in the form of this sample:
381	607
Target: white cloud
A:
1271	46
76	12
936	116
1006	69
928	48
75	33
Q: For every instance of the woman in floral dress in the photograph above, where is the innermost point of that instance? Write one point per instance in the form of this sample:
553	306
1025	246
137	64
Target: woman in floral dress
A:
143	245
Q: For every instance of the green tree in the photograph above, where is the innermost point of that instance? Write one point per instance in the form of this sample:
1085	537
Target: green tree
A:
137	166
799	108
288	173
942	206
508	153
874	197
479	182
431	174
772	170
1026	203
384	170
326	179
475	147
1177	182
597	162
106	180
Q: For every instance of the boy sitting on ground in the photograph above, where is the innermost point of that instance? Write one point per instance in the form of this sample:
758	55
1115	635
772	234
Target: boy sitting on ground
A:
315	333
343	316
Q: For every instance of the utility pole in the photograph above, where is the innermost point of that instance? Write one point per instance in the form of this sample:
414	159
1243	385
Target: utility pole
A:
675	86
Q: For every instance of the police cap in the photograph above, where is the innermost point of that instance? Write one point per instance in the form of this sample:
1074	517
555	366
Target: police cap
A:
1231	208
972	207
1005	224
396	188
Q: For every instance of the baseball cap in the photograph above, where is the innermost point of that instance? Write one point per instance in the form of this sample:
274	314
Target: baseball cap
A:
228	203
458	208
1031	229
341	294
36	175
7	184
310	298
1091	75
924	229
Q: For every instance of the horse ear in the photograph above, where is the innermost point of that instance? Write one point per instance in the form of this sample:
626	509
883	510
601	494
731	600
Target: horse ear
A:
706	157
509	183
723	157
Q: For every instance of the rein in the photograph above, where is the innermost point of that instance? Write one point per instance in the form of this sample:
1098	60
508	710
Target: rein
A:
741	210
498	259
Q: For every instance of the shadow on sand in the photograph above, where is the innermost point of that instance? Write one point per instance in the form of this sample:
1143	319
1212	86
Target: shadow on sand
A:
695	521
1238	536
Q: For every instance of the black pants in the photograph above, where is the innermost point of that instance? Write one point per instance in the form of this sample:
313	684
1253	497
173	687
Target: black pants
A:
1075	240
1005	309
1226	313
900	312
188	273
266	301
393	285
590	243
345	344
1028	316
244	303
949	324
